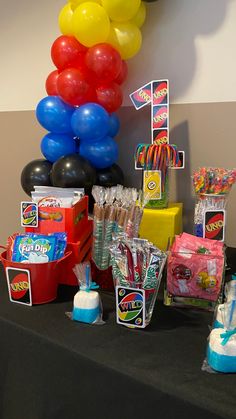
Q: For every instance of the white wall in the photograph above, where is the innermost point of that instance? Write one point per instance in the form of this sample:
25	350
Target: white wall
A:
28	28
191	42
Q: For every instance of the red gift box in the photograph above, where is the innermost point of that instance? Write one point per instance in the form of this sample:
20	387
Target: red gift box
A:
102	277
80	252
73	220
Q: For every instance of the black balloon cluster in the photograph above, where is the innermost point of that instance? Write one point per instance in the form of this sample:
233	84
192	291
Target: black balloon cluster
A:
71	171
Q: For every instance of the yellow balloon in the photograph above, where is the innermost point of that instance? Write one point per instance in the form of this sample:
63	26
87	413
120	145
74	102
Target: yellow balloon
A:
75	3
126	38
91	24
65	20
140	16
121	10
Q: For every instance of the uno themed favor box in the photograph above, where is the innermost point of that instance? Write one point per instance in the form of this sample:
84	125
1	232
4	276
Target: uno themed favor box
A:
55	220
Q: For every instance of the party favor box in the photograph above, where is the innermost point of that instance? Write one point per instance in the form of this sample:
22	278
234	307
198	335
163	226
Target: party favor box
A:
70	220
160	226
195	272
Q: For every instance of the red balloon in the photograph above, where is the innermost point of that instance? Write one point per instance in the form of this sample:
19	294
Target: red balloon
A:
74	88
66	52
104	61
122	76
51	83
81	65
109	96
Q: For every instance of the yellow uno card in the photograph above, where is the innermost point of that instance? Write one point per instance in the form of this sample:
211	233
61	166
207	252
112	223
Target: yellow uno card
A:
152	184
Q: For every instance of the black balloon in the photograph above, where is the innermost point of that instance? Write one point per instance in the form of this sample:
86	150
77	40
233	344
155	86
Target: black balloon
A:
36	173
73	171
111	176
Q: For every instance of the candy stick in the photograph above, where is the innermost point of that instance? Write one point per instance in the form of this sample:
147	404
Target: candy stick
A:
98	234
121	220
108	236
87	276
130	263
129	229
140	260
118	271
138	214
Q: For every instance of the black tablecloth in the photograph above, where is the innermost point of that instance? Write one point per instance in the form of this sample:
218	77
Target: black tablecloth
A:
51	367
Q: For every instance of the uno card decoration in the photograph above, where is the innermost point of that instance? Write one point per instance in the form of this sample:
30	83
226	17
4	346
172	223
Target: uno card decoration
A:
214	225
160	112
159	117
152	184
160	92
159	155
142	96
29	214
160	136
130	307
19	286
181	161
155	92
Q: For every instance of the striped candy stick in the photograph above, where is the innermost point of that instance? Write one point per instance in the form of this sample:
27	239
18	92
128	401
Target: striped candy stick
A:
109	226
98	231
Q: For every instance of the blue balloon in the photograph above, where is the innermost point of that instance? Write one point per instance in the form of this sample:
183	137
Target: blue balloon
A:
54	146
55	115
101	154
114	125
90	122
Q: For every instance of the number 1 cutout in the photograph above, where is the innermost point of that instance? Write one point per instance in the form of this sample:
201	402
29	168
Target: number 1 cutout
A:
156	92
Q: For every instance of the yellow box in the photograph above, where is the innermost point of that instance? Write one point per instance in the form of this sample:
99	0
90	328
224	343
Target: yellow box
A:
158	225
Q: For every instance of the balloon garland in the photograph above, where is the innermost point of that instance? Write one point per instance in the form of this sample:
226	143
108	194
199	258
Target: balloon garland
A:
84	92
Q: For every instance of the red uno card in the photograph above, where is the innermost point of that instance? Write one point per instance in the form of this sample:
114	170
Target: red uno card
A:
214	225
19	286
160	91
142	96
181	164
160	117
160	136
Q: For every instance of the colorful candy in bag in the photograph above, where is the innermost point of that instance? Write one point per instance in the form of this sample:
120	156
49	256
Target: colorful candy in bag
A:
136	264
61	244
56	197
195	268
208	180
212	187
116	210
38	248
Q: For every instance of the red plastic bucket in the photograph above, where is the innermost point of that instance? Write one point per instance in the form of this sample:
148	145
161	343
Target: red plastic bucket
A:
43	277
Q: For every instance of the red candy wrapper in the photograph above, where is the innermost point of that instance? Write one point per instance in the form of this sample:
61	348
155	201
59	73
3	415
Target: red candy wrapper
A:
195	269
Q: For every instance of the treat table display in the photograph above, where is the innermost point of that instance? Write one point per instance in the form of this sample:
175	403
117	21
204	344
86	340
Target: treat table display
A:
51	367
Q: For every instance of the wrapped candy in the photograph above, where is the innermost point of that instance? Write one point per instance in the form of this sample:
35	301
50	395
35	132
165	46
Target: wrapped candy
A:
211	187
116	210
87	306
221	348
195	272
137	264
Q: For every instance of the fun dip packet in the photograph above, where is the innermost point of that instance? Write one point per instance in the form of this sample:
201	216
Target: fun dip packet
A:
38	248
